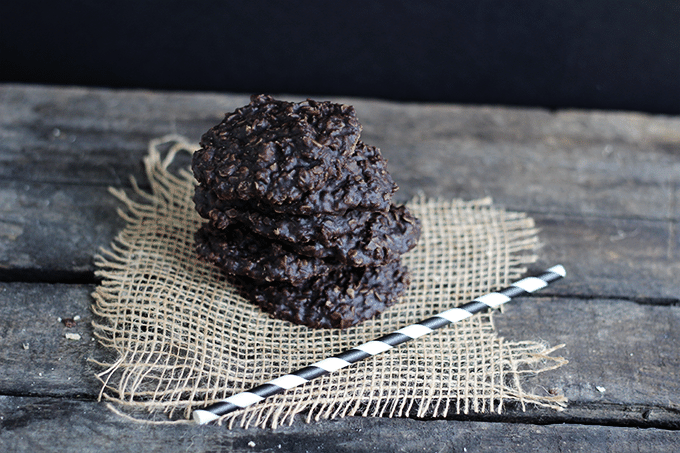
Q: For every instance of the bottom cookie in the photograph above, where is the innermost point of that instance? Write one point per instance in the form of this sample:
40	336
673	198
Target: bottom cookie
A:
343	298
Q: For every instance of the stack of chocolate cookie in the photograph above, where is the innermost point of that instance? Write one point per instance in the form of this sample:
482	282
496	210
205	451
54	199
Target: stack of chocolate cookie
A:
300	211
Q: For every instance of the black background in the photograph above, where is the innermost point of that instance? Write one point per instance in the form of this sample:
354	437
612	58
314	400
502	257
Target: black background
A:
611	54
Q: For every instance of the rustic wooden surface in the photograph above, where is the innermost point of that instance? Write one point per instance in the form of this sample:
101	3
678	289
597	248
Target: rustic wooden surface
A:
603	188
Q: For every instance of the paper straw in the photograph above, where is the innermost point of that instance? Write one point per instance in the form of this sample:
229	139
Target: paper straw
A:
382	344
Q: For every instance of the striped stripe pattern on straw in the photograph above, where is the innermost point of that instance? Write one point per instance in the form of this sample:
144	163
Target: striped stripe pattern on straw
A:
374	347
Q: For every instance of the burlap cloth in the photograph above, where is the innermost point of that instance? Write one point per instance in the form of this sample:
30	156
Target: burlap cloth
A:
182	336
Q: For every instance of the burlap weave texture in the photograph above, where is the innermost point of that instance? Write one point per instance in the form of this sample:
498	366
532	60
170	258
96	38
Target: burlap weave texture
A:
184	337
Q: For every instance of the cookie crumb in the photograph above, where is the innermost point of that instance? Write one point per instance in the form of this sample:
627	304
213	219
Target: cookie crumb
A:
68	322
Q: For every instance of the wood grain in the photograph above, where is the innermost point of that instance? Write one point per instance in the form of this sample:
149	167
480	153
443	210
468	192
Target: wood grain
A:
50	232
602	187
623	365
48	424
623	164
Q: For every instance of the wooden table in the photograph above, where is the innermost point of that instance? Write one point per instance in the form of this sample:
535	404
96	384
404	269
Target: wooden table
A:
604	189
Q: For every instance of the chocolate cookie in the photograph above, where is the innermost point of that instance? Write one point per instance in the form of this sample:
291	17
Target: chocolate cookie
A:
300	211
359	238
341	299
294	158
239	252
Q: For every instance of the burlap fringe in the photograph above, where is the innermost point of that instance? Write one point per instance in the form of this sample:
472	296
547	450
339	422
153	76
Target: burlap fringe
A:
160	311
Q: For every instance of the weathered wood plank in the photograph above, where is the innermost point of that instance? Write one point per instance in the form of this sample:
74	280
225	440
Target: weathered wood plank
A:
50	232
85	136
604	257
36	356
620	352
623	165
30	424
625	348
614	164
616	180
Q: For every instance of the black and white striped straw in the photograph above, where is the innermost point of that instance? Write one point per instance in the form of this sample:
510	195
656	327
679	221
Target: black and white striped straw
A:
382	344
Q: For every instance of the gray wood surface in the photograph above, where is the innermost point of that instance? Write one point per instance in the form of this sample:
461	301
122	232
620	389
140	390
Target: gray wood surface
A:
50	424
602	187
619	372
51	231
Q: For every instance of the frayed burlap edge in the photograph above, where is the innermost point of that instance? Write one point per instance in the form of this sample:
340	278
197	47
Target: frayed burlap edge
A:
158	308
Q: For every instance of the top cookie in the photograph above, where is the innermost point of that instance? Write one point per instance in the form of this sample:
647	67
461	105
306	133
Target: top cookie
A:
294	158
